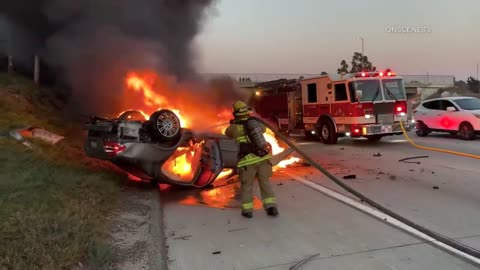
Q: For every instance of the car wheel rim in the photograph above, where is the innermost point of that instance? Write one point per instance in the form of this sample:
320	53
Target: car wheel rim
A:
168	125
325	132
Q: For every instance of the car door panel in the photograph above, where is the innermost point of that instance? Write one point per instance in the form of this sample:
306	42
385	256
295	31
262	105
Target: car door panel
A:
448	120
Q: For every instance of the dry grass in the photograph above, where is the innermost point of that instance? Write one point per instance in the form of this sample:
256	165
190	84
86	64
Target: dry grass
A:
53	200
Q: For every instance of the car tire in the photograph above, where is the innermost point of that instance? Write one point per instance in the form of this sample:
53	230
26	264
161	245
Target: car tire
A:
374	138
466	131
165	125
327	132
422	130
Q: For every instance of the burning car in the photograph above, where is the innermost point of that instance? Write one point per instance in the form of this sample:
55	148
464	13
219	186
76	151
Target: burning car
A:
157	148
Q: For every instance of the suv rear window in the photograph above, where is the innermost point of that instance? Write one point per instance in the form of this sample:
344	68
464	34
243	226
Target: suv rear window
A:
433	105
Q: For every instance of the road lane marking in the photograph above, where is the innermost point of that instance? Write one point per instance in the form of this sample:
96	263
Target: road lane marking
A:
381	216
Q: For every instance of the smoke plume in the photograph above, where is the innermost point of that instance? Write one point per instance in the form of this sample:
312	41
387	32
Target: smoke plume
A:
93	43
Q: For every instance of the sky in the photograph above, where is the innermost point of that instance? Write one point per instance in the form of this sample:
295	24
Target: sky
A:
311	36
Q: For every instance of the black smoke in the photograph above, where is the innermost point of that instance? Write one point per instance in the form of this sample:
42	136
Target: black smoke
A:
92	44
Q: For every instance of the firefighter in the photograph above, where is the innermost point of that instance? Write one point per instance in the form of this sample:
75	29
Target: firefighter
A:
253	159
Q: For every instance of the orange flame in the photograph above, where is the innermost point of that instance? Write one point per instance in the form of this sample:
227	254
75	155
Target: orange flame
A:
156	93
276	149
179	165
151	98
140	111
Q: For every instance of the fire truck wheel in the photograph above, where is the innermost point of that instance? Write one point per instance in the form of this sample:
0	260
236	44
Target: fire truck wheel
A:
165	125
422	129
327	132
374	138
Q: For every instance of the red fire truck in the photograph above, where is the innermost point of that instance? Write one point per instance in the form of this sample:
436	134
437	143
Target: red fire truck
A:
364	104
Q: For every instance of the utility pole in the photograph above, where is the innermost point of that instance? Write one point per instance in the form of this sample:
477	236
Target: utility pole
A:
477	72
363	47
36	70
10	49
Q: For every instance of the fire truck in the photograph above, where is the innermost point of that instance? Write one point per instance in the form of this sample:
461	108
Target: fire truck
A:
363	104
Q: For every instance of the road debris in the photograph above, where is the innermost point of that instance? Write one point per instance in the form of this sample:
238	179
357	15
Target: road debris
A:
40	133
280	184
186	237
351	176
377	155
405	160
435	187
35	132
300	263
17	136
236	230
216	252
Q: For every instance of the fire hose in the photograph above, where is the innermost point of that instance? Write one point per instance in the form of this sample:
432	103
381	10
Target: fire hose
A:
434	149
441	238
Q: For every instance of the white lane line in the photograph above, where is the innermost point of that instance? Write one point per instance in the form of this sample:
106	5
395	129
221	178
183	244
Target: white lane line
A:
381	216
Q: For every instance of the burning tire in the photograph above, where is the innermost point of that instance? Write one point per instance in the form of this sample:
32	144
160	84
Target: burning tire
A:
165	125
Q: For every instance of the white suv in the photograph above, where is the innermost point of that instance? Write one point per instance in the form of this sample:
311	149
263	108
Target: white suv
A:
450	114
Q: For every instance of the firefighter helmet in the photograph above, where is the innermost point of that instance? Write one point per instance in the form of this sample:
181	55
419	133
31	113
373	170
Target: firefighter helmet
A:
240	108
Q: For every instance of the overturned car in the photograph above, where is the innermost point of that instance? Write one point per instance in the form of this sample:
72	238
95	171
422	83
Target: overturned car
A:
160	150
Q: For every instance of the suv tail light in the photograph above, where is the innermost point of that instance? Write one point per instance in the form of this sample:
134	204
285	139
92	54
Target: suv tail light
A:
113	148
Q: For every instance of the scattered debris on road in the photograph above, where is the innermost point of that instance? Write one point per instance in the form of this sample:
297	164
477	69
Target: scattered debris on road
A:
301	163
280	184
35	132
405	160
236	230
351	176
393	177
17	136
300	263
435	187
377	155
186	237
216	252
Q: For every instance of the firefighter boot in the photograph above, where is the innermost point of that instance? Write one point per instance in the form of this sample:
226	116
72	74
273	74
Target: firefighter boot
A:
247	215
272	211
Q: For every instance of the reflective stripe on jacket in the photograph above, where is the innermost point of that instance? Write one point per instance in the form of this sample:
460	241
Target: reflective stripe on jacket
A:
236	131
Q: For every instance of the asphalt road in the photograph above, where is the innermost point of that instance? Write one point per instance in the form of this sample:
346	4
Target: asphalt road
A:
204	229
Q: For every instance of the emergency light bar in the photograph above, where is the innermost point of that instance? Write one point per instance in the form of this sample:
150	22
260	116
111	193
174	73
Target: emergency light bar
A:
386	73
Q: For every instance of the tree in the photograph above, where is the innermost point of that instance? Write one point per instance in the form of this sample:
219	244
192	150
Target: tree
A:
343	68
359	63
473	84
461	84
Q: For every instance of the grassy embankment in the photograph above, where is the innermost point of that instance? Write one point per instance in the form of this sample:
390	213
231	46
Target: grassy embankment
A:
54	201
